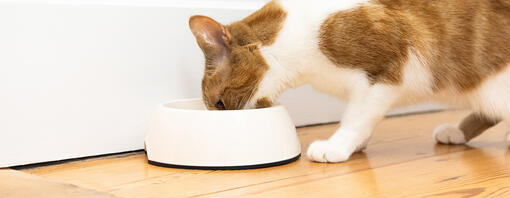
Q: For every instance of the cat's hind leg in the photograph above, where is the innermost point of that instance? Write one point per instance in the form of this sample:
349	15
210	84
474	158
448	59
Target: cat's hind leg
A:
470	127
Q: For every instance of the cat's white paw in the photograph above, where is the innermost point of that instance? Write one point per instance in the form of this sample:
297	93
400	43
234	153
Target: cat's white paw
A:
328	151
449	134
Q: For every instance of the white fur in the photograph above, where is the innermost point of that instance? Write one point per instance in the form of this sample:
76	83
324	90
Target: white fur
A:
417	80
417	76
448	134
295	59
366	108
493	97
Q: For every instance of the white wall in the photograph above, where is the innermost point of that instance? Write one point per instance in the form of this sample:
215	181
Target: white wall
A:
82	78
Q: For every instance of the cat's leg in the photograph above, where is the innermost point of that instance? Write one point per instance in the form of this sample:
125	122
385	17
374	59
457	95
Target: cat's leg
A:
364	110
471	127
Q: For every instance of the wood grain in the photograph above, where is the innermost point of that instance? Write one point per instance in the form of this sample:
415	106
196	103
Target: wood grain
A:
401	161
15	184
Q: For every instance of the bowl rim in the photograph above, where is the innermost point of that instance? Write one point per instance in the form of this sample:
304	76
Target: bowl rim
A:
163	106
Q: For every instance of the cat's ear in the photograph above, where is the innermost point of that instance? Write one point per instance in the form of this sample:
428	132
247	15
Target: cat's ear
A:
212	37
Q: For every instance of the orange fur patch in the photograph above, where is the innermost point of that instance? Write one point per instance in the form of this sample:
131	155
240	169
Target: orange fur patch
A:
235	80
373	39
463	41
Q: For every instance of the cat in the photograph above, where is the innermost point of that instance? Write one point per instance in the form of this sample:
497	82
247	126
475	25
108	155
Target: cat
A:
375	54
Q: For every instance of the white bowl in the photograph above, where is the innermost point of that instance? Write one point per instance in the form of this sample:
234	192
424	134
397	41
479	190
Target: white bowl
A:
185	135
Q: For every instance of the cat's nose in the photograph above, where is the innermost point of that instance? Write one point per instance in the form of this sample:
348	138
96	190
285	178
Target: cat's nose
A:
220	105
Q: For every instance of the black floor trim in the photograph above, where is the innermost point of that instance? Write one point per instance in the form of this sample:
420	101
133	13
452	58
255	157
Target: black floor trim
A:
227	167
65	161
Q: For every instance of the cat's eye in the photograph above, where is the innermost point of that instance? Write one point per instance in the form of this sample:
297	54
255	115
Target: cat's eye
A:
220	105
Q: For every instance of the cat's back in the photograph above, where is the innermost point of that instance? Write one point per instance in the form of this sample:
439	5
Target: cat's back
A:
463	42
467	41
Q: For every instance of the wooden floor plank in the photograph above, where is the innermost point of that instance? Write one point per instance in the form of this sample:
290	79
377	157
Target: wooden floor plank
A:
16	184
442	175
401	159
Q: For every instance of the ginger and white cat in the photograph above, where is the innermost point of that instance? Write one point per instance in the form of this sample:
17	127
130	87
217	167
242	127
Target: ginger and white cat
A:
376	54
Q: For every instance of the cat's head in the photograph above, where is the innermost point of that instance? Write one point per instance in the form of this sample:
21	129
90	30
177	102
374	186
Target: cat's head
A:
234	67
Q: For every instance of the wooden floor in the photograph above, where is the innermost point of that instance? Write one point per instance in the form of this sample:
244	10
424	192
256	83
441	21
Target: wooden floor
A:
401	161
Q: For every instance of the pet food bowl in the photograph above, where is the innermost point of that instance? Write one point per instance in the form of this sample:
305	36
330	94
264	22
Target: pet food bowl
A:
186	135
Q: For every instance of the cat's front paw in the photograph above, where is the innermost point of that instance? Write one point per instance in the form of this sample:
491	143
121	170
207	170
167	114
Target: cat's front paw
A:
328	152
